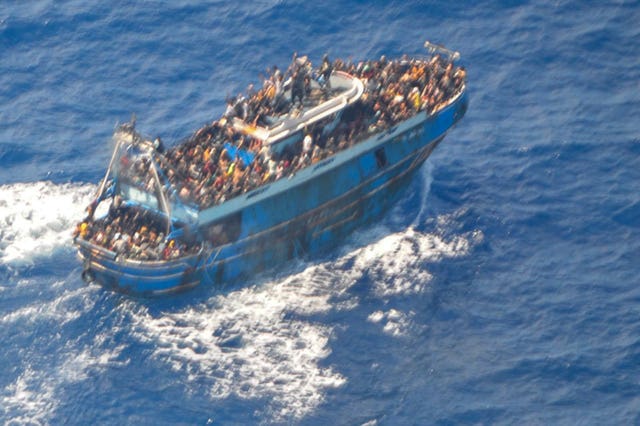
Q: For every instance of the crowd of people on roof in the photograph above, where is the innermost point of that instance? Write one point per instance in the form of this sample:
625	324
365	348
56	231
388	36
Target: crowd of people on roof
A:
203	172
206	174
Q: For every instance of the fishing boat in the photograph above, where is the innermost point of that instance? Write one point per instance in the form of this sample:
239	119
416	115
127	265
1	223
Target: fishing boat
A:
287	171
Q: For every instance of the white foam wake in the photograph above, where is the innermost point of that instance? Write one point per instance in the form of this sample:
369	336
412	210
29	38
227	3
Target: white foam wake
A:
38	217
37	392
396	262
397	266
246	343
259	341
50	363
397	323
59	311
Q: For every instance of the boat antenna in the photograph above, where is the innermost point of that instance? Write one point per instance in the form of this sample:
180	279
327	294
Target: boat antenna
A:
103	184
438	48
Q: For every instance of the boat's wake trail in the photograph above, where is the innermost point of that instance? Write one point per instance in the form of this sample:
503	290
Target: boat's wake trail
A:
270	340
255	342
43	367
36	218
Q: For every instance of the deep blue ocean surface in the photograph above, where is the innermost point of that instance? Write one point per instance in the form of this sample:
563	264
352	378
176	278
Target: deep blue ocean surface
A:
503	288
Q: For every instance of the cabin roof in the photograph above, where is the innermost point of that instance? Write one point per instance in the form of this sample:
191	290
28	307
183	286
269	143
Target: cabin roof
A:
346	89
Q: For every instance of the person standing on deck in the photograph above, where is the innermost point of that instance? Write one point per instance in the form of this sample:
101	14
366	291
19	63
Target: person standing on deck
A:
297	86
325	71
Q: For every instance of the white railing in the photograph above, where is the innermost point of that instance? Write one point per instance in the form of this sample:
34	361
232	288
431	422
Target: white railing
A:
438	48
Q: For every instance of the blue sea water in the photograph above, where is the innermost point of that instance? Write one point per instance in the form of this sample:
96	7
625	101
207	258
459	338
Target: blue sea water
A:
503	288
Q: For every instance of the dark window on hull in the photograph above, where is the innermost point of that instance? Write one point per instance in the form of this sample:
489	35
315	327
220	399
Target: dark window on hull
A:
226	230
381	158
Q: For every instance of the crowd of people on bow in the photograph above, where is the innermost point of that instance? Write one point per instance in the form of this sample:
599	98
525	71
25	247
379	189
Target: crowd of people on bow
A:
134	234
203	171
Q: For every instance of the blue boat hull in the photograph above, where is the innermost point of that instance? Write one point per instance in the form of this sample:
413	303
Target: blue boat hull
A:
304	214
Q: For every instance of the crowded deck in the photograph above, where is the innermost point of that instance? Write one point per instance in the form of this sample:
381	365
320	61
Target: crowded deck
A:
237	152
